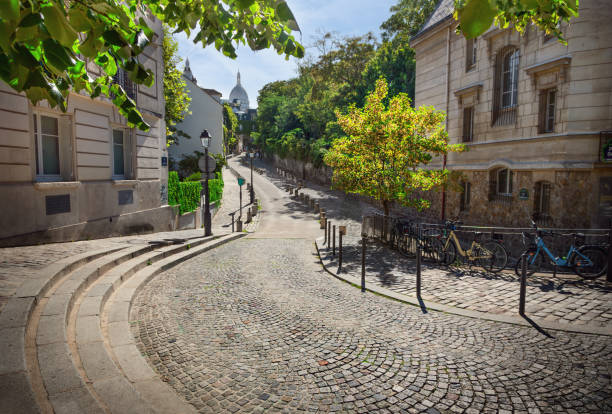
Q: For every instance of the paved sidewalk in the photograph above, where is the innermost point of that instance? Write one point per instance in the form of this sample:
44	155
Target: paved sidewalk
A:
222	222
564	300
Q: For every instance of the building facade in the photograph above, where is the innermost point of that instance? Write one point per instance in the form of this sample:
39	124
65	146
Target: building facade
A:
206	112
534	114
239	102
84	173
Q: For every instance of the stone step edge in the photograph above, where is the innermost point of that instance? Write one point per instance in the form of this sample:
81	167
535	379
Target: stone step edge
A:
132	364
89	280
412	300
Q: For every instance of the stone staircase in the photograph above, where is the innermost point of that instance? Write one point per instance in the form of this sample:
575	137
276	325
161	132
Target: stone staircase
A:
65	341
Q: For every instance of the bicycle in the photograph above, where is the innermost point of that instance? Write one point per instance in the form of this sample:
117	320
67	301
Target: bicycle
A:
587	261
490	255
405	237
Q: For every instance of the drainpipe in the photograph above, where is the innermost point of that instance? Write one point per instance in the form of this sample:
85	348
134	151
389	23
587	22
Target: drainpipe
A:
448	32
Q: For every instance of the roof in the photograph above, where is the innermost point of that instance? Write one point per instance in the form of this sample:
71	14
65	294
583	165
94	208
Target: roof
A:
212	91
443	12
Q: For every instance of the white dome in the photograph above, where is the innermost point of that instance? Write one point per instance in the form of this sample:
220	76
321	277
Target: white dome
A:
239	94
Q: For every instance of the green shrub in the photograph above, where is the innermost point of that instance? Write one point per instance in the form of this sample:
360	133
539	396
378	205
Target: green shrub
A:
189	195
196	176
215	188
173	188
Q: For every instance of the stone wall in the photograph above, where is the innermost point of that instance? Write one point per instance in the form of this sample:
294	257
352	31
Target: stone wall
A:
304	170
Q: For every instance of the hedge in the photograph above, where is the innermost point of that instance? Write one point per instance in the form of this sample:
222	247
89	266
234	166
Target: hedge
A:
173	184
215	188
187	193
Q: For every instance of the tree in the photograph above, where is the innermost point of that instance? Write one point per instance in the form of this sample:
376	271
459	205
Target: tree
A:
387	148
175	90
44	44
476	16
407	18
230	127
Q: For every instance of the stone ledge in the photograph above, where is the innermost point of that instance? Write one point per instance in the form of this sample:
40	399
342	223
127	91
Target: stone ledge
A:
124	183
56	185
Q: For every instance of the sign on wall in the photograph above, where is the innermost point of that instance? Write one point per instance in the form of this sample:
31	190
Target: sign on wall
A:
523	194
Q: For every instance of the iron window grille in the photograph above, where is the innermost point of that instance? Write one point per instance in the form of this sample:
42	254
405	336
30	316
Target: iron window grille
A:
122	79
464	201
505	99
548	98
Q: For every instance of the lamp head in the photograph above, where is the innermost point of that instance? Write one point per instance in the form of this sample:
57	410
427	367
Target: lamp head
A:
205	138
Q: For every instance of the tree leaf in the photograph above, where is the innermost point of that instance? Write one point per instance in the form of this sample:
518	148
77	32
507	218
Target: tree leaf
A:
79	20
30	19
57	56
476	17
58	26
9	9
286	16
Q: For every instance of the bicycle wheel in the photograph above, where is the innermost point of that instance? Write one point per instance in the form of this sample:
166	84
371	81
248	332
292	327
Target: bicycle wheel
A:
448	255
492	256
432	249
533	265
598	262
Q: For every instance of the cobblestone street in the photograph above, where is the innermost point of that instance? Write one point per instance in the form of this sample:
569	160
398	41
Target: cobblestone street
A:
238	330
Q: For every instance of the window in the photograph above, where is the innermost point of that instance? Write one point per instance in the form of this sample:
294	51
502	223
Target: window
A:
468	124
500	184
118	153
541	200
46	141
471	53
464	201
122	79
505	98
547	110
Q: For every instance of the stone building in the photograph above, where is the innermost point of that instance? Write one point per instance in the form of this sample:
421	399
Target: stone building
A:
239	102
206	112
533	113
84	173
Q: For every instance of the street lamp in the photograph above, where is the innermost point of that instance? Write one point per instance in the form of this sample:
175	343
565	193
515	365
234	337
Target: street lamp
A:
251	155
205	138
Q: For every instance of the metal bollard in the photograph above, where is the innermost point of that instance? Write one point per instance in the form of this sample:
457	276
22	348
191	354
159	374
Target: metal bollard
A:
418	263
341	232
239	225
316	207
334	241
323	222
232	214
329	233
523	284
363	262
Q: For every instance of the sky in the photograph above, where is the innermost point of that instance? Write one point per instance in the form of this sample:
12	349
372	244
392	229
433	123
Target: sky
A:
346	17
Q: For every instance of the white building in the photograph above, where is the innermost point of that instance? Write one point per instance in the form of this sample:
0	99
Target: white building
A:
83	173
206	113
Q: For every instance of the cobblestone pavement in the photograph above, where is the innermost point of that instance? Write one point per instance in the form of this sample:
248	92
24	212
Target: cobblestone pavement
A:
257	326
565	299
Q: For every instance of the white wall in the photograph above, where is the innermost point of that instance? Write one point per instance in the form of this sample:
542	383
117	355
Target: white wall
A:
206	113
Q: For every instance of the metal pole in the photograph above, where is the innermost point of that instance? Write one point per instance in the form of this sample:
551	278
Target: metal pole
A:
329	233
252	192
207	221
418	262
340	252
232	221
523	284
334	241
363	262
240	217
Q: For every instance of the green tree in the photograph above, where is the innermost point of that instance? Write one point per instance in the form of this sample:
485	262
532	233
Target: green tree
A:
476	16
176	97
406	19
386	149
44	44
230	127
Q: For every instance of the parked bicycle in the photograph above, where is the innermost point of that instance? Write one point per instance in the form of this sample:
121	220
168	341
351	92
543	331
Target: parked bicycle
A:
587	261
405	238
490	255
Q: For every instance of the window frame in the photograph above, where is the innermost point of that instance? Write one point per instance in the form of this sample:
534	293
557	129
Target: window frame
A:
511	60
542	198
508	182
123	147
471	53
469	137
465	196
38	150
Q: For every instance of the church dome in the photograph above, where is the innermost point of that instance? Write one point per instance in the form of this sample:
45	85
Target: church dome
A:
239	94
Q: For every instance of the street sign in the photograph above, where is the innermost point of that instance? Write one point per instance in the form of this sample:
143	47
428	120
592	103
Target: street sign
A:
523	194
240	181
212	164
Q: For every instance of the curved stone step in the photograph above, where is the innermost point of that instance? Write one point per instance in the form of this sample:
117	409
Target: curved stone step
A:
16	391
145	382
65	388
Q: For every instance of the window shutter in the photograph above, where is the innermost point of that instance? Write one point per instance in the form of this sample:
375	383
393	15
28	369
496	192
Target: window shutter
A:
542	113
510	177
128	153
497	87
65	148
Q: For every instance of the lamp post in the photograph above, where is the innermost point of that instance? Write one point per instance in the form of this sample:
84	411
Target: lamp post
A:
252	193
205	138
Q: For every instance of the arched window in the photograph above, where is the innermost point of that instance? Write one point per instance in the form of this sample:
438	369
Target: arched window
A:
500	184
505	94
541	200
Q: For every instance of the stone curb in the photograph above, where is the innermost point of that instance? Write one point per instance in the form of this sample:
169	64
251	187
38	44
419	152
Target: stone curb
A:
515	320
135	368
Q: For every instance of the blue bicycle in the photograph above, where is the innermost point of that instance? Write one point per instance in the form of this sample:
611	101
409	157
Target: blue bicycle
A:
587	261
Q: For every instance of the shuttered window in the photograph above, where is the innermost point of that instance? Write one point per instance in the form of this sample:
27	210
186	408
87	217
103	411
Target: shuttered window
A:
471	54
47	146
548	98
468	124
500	184
505	93
118	153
